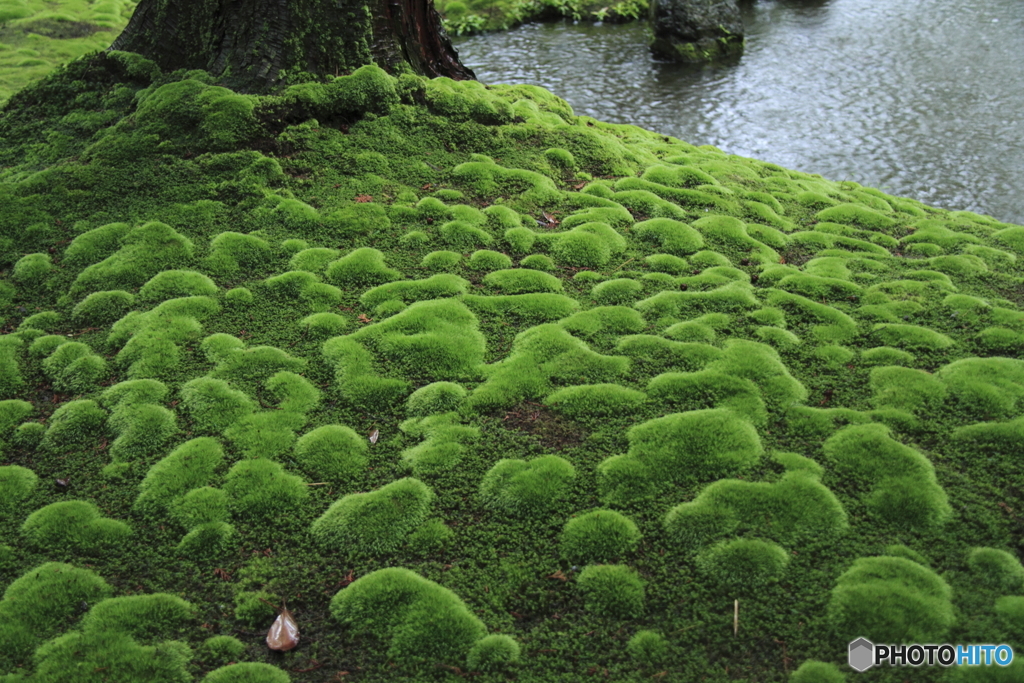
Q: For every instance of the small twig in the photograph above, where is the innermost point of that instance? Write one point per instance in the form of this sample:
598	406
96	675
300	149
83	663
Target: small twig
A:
735	618
627	262
320	483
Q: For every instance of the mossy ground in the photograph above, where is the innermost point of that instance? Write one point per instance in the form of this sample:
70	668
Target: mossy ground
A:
36	36
473	16
235	189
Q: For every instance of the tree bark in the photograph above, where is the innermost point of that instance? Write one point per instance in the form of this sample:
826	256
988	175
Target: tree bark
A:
251	45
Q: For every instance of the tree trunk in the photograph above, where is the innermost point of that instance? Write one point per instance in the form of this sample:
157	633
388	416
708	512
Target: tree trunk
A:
252	44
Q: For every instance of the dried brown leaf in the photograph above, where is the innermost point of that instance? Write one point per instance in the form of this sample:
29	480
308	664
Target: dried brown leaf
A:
374	435
284	633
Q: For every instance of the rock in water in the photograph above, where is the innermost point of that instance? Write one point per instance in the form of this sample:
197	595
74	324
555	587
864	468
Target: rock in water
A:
284	633
696	30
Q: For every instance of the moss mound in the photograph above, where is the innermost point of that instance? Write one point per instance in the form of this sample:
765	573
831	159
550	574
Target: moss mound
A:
258	348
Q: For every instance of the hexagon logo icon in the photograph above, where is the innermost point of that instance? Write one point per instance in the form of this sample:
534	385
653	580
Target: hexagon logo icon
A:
862	654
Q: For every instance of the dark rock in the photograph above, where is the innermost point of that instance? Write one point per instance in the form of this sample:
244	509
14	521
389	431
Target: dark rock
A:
696	30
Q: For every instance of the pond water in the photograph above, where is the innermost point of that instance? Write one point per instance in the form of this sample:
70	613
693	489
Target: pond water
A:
920	99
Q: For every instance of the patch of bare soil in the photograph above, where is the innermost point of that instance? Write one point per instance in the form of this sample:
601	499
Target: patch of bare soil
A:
551	430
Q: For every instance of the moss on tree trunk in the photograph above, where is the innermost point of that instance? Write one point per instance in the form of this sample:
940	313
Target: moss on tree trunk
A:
252	44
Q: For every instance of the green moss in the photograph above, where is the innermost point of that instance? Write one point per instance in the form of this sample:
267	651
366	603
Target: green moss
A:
671	236
539	356
795	508
869	452
666	263
364	266
213	405
598	536
207	540
32	270
856	214
438	397
103	308
985	388
374	522
331	453
431	537
812	671
616	291
485	259
95	245
420	621
358	219
891	599
239	296
261	490
144	252
313	260
16	484
142	430
247	672
221	649
522	280
886	355
170	284
11	379
203	505
996	569
45	321
744	564
255	608
520	239
708	389
911	337
911	390
696	445
144	617
443	448
189	466
537	262
612	591
438	338
1010	610
493	652
604	319
648	648
526	488
74	423
595	399
56	593
75	526
74	368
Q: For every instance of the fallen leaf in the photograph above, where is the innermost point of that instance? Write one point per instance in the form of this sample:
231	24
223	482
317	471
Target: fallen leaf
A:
363	318
549	218
363	198
373	435
284	633
558	575
63	483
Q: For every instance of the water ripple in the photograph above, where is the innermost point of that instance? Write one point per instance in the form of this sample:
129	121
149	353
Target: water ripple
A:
920	99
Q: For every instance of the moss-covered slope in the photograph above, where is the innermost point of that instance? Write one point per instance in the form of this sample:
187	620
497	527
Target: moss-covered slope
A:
477	385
